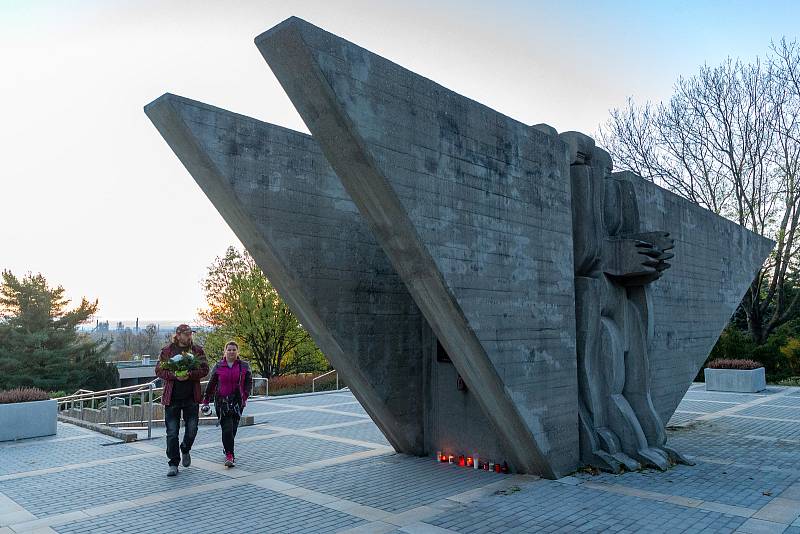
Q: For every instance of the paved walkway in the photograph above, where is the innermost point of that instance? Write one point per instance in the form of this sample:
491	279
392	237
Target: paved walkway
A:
318	464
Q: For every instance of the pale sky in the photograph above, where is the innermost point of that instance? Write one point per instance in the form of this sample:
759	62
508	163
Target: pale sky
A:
95	200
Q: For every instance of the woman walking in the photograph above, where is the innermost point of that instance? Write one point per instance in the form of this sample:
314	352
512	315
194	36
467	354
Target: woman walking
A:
229	387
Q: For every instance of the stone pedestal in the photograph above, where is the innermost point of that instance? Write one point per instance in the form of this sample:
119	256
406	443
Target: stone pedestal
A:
737	380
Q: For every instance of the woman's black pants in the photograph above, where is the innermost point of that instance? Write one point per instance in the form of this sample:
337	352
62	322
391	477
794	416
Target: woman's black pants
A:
229	424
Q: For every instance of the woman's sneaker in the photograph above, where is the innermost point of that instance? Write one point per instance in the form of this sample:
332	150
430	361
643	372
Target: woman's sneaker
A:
230	461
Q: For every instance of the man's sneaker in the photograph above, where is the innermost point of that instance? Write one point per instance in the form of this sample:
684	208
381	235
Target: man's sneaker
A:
173	470
186	459
230	461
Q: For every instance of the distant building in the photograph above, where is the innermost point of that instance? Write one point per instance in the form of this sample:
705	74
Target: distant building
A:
134	372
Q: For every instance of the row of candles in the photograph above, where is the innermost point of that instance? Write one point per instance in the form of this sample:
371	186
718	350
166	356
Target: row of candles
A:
472	462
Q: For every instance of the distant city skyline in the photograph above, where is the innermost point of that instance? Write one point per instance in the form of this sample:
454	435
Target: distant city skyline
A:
97	202
163	324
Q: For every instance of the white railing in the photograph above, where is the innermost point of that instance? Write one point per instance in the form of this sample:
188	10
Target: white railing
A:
314	381
253	387
146	394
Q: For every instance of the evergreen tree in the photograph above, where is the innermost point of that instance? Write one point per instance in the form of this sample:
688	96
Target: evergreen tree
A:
40	345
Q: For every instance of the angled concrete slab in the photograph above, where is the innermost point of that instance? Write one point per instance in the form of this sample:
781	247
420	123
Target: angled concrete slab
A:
275	189
473	210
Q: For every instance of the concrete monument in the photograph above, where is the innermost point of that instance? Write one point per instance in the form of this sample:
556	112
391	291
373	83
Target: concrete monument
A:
485	287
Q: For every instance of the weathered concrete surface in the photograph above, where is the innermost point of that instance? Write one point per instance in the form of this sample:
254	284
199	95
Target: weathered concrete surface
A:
277	192
473	209
715	261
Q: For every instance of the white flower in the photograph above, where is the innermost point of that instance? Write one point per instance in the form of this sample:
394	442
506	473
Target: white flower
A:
177	358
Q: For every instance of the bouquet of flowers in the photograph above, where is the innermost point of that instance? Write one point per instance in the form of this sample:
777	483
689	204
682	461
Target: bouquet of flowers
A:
181	364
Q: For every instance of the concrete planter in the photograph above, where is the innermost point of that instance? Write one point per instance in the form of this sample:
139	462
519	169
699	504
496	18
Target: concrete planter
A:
737	380
22	420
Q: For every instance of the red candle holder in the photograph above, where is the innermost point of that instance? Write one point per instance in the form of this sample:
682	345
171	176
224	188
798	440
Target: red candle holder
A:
469	461
461	461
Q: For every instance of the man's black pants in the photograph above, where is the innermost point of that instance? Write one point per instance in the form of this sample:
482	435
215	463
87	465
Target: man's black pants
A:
172	419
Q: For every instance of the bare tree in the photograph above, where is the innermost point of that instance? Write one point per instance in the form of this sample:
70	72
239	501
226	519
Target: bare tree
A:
728	140
147	340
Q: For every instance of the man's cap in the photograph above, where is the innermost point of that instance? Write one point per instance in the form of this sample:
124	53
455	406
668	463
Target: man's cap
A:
183	328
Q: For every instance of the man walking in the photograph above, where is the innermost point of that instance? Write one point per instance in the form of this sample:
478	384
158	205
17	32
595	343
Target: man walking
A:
181	396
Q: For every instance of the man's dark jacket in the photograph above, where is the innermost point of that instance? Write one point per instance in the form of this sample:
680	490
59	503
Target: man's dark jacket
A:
169	377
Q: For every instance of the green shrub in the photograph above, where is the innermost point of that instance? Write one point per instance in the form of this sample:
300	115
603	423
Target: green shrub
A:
733	344
736	344
791	354
791	381
22	395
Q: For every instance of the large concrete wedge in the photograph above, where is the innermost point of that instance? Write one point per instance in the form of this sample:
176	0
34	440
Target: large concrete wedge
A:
275	189
715	262
473	210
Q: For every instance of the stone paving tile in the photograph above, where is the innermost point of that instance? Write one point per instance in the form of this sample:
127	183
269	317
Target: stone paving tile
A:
66	491
66	430
738	398
364	432
732	485
784	400
240	509
63	430
245	431
777	412
394	483
351	408
314	400
210	434
547	506
279	452
678	418
737	448
688	405
304	419
728	425
46	454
